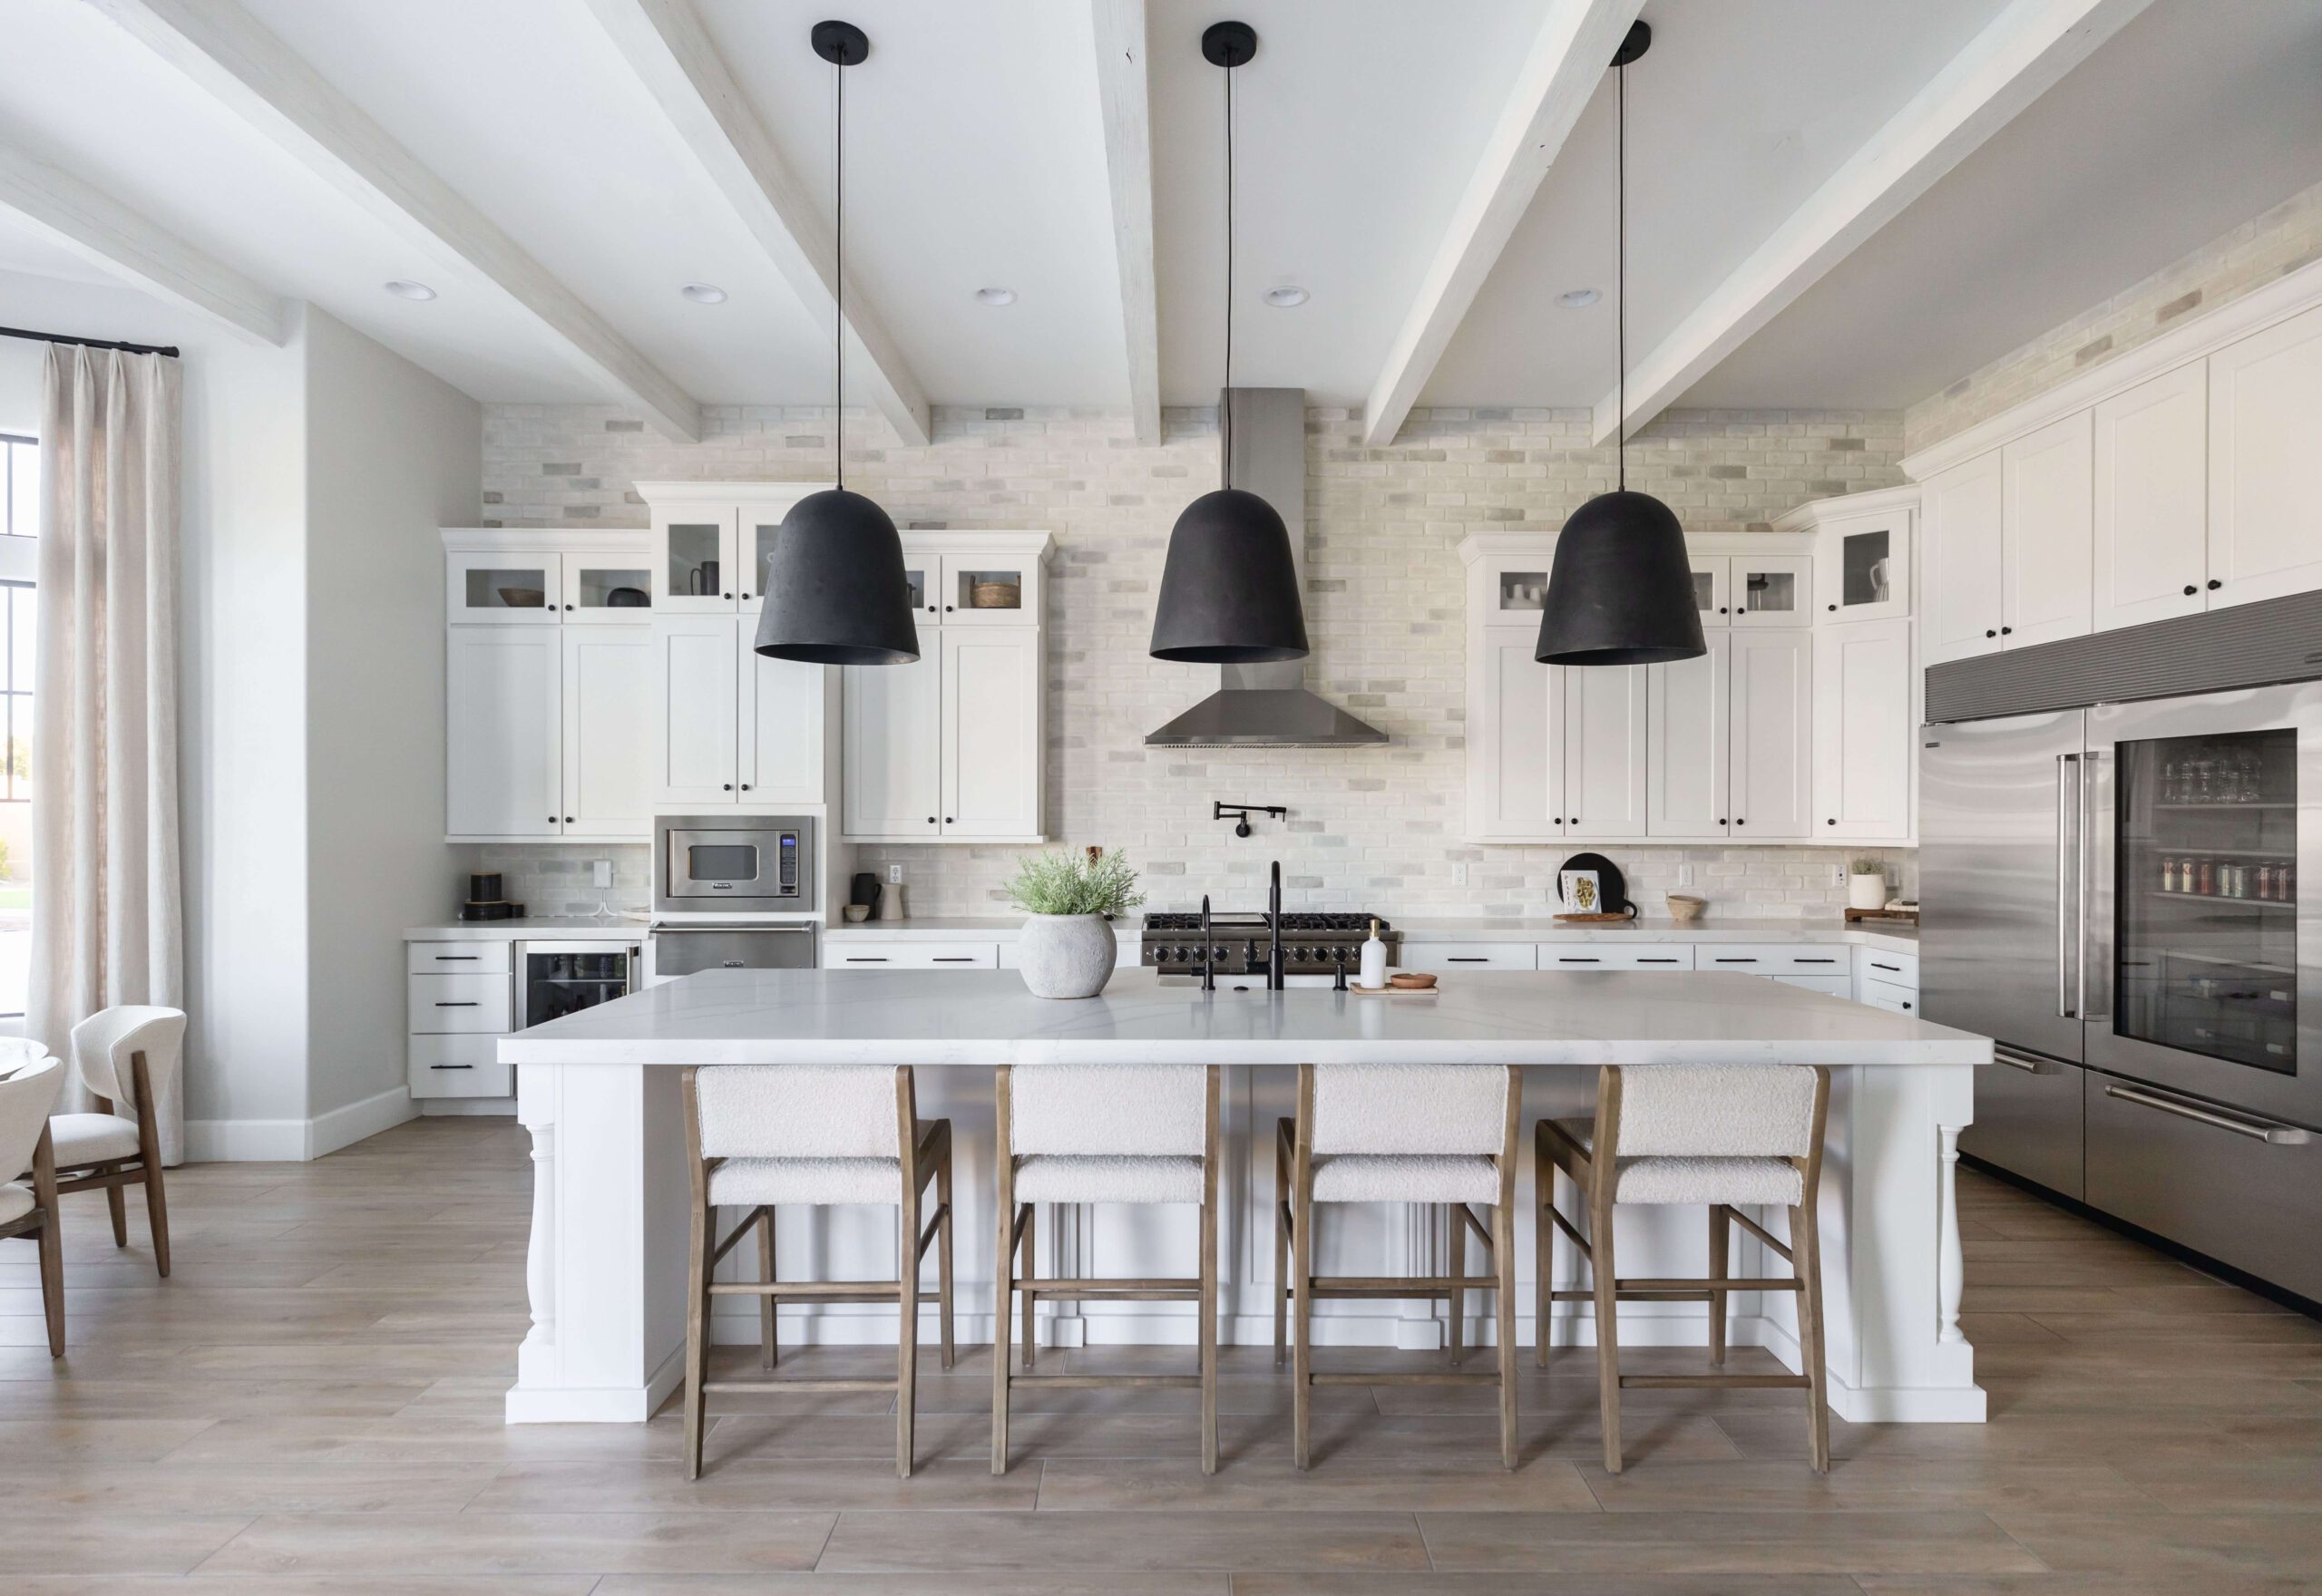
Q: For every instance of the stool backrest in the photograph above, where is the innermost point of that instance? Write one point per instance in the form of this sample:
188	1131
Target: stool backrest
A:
1411	1108
800	1111
1717	1111
102	1043
1108	1110
26	1099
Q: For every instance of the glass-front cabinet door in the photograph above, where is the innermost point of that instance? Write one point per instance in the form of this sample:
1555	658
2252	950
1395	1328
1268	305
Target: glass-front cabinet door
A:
614	585
695	572
1713	576
989	589
1770	590
501	587
1863	569
2206	827
1516	590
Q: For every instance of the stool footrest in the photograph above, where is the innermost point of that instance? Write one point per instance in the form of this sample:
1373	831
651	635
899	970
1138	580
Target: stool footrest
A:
1097	1382
808	1291
1698	1382
800	1382
1410	1286
1043	1286
1644	1295
1405	1377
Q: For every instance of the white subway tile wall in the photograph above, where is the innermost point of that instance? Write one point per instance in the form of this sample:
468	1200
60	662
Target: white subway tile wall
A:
1368	828
2252	255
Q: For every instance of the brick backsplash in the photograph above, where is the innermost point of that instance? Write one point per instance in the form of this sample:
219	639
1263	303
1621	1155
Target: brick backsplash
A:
1368	828
2252	255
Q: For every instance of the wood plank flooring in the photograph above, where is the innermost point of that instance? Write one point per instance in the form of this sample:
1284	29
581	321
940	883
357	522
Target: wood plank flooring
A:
313	1404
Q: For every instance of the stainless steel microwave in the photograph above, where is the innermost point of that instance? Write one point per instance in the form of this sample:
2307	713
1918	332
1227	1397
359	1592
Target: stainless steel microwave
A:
734	864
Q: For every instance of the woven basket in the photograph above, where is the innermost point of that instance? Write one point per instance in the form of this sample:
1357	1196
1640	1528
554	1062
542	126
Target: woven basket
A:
995	596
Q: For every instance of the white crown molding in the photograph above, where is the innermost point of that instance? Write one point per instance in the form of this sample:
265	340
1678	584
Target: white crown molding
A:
544	540
977	540
2285	297
1818	513
726	493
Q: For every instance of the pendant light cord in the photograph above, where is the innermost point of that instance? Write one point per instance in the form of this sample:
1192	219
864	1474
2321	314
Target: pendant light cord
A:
1227	417
838	288
1621	287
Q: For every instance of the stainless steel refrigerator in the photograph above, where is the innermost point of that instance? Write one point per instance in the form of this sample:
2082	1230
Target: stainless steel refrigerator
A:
2128	898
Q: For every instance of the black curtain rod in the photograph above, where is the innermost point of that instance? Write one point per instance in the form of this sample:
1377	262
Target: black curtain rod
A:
168	350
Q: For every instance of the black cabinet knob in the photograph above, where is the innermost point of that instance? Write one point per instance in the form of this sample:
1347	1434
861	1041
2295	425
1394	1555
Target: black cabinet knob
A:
1831	822
1906	1008
930	609
568	607
930	819
2007	631
1739	821
1989	633
2190	589
729	786
949	820
948	608
1721	820
1721	609
567	820
552	820
2215	584
725	595
746	598
1833	609
746	786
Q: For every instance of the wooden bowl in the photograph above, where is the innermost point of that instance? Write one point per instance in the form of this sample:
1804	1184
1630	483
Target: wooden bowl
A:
1411	980
1684	905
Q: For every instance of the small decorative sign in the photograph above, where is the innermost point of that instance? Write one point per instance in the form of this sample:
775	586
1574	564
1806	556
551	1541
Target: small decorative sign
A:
1581	891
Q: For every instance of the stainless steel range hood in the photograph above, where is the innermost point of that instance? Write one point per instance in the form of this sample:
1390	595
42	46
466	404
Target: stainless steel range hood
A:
1268	706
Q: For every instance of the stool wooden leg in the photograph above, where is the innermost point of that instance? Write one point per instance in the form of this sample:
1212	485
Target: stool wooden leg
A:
1280	1246
1456	1266
907	1337
943	1249
1720	1232
1003	1309
1503	1257
1806	1244
1029	1273
1608	1333
1302	1276
767	1329
1544	1258
697	1337
117	1201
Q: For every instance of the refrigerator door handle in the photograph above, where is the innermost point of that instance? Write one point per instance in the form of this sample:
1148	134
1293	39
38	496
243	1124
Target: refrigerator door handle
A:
2072	898
2024	1062
2267	1131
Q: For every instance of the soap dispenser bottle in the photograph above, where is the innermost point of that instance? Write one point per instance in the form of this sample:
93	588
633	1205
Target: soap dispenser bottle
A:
1374	960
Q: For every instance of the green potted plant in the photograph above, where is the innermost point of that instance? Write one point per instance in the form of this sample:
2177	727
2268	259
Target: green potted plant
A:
1067	947
1867	885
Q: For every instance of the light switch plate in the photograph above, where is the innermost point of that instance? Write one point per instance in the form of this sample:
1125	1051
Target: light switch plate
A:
1684	875
601	872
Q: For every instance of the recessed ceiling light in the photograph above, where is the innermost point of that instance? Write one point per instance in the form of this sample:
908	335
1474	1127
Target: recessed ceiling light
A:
995	296
1578	298
703	293
404	288
1283	298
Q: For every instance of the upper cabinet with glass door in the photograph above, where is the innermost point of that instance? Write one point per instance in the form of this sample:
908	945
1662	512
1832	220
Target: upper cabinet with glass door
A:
1752	590
505	586
711	541
1862	553
498	577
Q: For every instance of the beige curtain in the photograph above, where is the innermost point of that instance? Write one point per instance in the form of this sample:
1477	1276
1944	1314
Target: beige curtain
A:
107	893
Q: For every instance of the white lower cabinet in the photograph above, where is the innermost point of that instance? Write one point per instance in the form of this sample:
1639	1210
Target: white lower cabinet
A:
1659	956
1449	958
871	953
461	1000
1864	735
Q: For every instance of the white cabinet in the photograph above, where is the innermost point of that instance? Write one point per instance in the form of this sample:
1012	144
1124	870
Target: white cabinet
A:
2049	520
1516	773
2265	531
1863	738
607	692
2152	502
1961	509
1689	735
1604	733
1452	957
504	762
1772	719
904	953
731	728
953	746
1769	589
1863	562
711	540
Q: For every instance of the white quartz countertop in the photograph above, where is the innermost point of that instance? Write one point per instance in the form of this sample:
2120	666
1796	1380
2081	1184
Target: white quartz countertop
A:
564	927
1893	938
988	1018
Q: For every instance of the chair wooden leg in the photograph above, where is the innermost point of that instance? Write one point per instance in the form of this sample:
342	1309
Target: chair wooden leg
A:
117	1201
1281	1248
1301	1329
767	1328
1806	1244
1455	1257
149	1153
1031	1218
944	1252
157	1217
51	1278
1721	1233
907	1337
1503	1257
1604	1274
697	1337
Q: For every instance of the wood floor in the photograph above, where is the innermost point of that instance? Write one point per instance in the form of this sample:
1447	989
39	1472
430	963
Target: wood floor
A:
313	1404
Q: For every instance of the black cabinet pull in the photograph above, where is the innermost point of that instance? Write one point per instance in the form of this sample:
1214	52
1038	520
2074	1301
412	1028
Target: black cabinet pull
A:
468	1005
953	959
1831	822
950	821
1465	958
567	820
1896	968
746	786
930	819
568	607
1737	961
1657	961
1721	609
456	959
725	595
866	958
1739	821
1721	820
1906	1008
729	786
451	1066
948	608
1561	958
1815	961
1834	609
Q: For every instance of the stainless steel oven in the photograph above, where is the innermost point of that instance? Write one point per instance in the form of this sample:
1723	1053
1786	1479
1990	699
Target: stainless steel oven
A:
734	864
683	947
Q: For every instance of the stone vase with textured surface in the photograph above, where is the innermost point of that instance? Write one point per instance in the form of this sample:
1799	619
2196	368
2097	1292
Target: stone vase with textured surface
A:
1067	955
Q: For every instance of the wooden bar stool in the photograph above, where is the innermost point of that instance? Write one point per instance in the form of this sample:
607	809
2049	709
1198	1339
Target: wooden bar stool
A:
762	1136
1732	1136
27	1092
1369	1133
1136	1132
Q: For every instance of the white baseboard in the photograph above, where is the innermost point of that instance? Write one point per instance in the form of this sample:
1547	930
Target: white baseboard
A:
464	1107
296	1141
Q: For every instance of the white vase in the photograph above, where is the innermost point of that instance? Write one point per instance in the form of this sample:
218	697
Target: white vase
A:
1866	891
1067	955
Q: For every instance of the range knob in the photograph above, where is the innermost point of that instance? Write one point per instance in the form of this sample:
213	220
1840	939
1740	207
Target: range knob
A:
1181	954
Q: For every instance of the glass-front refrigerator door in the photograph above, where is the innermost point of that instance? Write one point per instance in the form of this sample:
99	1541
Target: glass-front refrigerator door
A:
2206	944
556	978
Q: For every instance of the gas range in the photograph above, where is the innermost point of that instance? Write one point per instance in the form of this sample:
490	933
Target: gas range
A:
1314	945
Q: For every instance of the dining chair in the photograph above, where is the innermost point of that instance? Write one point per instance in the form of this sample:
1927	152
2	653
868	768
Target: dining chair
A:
120	1056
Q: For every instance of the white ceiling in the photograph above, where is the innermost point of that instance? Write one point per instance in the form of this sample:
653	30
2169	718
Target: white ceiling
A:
976	159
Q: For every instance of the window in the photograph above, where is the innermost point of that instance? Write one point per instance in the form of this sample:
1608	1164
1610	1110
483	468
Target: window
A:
19	527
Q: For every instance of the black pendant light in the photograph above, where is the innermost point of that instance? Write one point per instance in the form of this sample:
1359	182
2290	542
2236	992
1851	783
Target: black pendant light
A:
1622	589
835	589
1229	588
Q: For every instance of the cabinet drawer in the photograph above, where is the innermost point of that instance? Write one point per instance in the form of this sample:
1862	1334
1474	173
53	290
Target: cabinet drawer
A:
1830	986
458	958
1896	970
1448	957
457	1003
2028	1119
1595	955
1773	959
854	955
459	1066
1887	996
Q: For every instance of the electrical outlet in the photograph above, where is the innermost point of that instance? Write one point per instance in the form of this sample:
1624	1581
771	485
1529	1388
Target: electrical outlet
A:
1837	875
1684	875
601	872
1459	872
894	875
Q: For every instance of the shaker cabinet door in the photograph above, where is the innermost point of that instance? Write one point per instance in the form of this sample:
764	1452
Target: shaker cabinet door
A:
1604	735
991	743
2050	520
782	709
1687	721
694	713
1518	792
608	694
503	768
1865	734
1772	733
1960	514
892	719
2264	419
2152	559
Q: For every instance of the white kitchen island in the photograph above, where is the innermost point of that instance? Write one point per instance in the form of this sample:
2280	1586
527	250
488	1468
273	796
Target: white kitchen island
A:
607	1266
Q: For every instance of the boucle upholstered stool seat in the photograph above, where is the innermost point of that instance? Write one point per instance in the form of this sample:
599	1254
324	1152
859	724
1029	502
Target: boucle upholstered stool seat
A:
1368	1133
1077	1133
1729	1136
761	1136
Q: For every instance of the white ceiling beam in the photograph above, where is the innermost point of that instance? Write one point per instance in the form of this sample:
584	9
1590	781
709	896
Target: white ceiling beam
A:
1569	57
225	51
2019	56
665	43
108	234
1122	105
